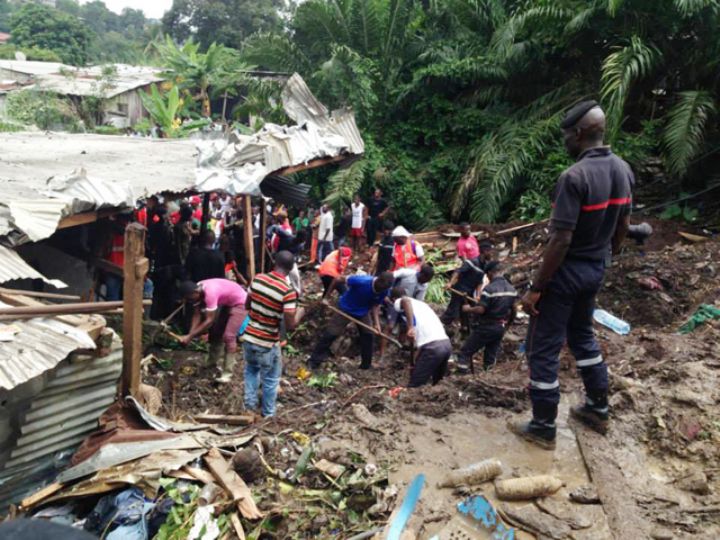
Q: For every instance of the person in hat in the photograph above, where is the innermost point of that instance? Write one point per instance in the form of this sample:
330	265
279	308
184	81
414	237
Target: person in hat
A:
407	253
589	221
219	310
490	317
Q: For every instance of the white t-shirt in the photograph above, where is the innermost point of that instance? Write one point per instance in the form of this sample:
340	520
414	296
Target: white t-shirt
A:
428	326
357	215
326	224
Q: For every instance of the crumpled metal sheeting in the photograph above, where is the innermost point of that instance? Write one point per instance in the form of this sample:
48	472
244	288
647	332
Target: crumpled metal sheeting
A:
90	194
343	124
40	345
13	267
242	181
38	217
300	104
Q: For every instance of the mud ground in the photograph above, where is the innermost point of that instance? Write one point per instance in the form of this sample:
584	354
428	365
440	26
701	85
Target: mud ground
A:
665	434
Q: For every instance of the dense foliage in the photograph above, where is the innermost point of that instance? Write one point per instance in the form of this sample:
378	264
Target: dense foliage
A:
460	99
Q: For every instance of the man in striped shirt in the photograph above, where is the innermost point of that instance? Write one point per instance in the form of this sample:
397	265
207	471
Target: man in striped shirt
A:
271	299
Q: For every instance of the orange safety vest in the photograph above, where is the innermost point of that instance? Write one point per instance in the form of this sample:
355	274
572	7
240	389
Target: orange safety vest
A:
405	256
329	266
117	250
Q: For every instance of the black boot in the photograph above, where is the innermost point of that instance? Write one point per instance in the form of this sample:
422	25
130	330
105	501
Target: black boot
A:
595	413
540	434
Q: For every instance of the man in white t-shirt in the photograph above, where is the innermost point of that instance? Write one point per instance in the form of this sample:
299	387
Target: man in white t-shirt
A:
359	216
325	233
432	343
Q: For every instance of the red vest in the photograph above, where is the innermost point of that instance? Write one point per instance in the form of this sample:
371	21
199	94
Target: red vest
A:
117	250
405	255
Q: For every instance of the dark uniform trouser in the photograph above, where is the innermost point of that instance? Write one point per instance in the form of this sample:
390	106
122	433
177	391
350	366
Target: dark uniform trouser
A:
431	363
483	336
335	327
454	310
371	228
327	281
566	312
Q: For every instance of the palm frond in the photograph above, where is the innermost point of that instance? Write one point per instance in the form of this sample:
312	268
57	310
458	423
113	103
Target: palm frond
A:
507	34
689	8
613	6
685	131
581	19
366	25
275	52
620	70
344	183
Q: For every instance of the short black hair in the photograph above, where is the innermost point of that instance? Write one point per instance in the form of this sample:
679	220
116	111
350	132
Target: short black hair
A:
188	287
385	280
464	224
388	225
427	271
576	112
284	260
493	267
397	292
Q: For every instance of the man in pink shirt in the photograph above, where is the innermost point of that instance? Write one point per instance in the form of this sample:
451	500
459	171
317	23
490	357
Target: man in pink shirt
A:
220	309
467	245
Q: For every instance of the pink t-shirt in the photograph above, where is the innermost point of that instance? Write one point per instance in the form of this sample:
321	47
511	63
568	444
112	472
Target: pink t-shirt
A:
222	293
468	248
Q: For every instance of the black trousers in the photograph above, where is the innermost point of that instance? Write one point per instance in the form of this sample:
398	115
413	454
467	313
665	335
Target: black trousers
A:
372	227
454	312
431	363
483	336
334	328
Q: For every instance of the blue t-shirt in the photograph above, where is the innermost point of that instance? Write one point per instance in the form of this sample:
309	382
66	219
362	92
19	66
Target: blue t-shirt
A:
360	297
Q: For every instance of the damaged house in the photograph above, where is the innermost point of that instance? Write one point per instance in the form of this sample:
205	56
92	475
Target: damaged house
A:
60	372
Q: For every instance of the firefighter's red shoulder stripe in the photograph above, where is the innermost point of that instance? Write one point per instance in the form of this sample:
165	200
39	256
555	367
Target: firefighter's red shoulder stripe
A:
604	205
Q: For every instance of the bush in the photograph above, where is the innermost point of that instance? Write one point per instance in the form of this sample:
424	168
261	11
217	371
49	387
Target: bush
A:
7	127
7	52
108	130
42	109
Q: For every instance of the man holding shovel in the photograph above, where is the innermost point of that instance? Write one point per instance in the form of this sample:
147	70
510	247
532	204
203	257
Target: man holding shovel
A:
360	303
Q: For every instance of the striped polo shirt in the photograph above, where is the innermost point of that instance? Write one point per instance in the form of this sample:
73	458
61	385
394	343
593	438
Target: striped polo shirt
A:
271	296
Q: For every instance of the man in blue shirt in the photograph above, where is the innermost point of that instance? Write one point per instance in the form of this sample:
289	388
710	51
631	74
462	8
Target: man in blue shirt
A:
362	301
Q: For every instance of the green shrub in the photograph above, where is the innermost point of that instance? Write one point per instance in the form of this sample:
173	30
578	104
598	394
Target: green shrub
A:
108	130
42	109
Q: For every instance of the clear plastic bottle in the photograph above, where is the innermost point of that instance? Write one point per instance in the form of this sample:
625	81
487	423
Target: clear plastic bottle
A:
611	321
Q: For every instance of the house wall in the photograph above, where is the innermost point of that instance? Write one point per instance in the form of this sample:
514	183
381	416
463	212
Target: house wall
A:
125	110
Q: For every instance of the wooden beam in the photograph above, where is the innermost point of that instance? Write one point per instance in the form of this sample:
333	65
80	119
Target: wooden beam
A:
84	218
136	266
248	234
314	164
61	309
38	294
263	227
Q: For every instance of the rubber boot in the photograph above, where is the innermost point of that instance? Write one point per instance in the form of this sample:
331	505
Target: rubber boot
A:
594	413
214	357
229	362
542	435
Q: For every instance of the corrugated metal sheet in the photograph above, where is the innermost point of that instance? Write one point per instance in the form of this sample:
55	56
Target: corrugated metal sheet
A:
58	419
12	267
40	345
285	191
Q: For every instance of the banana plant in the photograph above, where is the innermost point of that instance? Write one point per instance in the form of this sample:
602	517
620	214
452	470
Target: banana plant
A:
164	110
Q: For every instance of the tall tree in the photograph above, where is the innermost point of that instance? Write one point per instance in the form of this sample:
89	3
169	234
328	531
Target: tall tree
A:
225	22
35	25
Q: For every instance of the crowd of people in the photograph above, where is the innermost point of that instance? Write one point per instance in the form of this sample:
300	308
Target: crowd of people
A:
384	297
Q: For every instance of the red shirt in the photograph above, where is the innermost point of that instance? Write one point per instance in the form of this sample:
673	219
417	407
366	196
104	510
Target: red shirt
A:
467	248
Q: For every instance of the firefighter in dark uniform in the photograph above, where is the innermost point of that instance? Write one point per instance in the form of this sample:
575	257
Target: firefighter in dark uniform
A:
468	277
494	312
590	218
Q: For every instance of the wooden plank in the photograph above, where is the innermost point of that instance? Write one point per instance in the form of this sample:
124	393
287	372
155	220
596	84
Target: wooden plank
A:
41	495
232	483
263	227
84	218
135	269
235	522
61	309
39	294
199	474
314	164
248	236
232	420
623	515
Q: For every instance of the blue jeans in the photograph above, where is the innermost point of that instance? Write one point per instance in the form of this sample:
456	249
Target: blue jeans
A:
324	249
267	364
113	287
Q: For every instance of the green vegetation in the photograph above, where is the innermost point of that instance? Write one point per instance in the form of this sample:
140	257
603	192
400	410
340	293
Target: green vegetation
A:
44	110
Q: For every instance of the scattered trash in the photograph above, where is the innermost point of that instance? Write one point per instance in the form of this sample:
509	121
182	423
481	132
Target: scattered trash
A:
333	470
703	314
406	508
363	415
477	519
611	321
205	526
474	474
530	487
303	373
650	283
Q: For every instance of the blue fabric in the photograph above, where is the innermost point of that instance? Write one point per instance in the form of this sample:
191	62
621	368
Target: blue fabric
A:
113	287
244	326
262	366
360	298
566	311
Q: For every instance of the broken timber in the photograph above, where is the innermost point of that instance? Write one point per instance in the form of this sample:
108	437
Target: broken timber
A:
622	513
135	269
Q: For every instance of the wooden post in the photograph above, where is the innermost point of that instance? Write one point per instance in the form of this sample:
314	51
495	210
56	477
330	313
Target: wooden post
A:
135	268
263	227
205	214
249	244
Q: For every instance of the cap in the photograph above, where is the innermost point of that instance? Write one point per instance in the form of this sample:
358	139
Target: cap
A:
400	231
492	265
195	200
577	111
345	252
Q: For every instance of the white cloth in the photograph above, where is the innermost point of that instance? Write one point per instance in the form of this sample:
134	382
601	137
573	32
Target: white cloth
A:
326	224
400	231
428	326
357	215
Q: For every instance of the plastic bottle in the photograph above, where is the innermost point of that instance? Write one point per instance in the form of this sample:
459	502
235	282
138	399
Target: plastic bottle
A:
612	322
